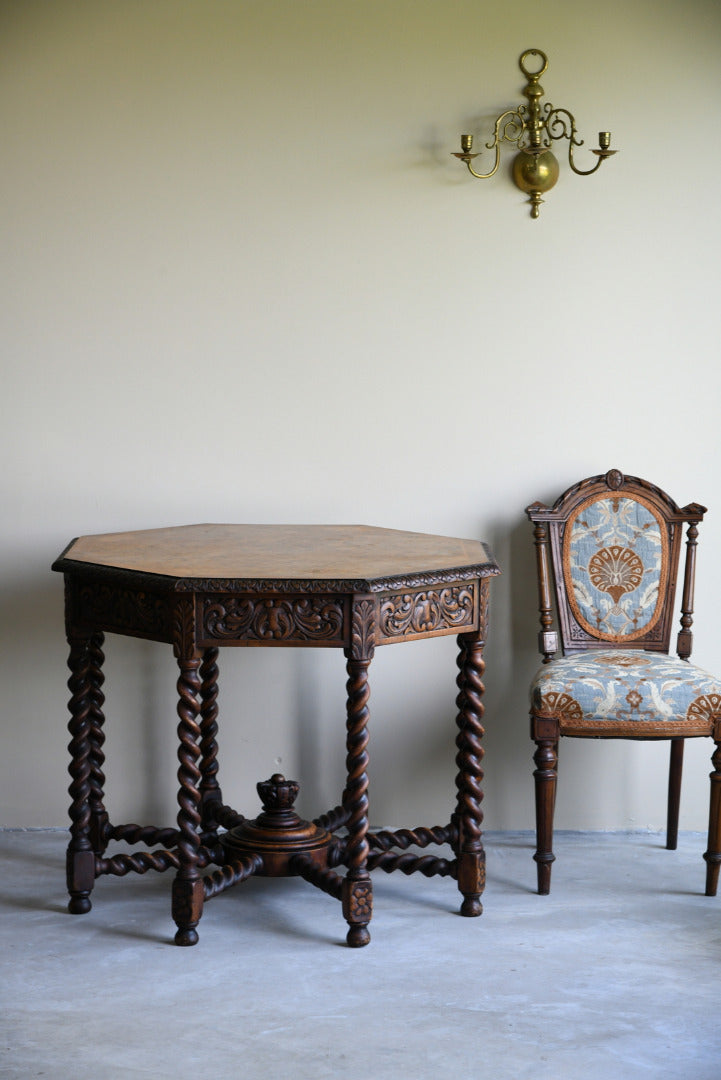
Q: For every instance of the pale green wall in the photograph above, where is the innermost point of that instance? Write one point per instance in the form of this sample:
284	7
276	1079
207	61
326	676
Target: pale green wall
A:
244	280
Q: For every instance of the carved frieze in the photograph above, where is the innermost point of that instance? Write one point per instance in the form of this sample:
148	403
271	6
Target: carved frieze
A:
241	619
415	614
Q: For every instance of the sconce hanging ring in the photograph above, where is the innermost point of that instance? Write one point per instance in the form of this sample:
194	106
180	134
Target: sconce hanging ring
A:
533	74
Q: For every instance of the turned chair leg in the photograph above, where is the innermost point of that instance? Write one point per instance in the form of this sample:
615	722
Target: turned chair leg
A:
675	772
713	852
545	775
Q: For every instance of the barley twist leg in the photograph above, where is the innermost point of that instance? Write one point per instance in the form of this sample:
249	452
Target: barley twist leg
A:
80	854
357	885
469	816
188	884
99	825
210	793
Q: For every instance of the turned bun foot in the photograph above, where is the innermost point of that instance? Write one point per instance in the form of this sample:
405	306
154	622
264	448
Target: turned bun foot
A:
79	905
471	906
186	937
358	936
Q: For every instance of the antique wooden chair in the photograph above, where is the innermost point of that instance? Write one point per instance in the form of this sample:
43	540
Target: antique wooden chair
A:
614	544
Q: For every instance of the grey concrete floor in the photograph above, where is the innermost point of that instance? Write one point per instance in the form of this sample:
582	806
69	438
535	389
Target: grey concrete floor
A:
613	976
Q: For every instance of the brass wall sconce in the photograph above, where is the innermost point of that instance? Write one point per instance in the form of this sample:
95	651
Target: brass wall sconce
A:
533	128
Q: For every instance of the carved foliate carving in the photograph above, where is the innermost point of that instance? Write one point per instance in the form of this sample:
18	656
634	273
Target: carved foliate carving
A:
269	619
427	611
184	627
358	901
483	602
363	630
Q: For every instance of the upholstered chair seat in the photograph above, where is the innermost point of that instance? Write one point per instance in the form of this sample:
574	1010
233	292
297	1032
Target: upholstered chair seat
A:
640	693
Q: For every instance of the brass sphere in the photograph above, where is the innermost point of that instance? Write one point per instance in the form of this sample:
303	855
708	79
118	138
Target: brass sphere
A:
535	172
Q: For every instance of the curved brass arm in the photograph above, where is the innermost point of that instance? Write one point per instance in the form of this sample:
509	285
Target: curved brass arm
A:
557	127
582	172
585	172
494	170
509	127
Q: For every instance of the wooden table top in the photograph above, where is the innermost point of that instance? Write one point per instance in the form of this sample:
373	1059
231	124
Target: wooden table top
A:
293	552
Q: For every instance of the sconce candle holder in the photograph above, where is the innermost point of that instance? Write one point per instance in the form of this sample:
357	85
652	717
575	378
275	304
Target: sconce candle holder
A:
534	128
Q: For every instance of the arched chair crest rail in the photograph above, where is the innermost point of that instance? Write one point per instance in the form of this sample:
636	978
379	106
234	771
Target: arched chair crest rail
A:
609	551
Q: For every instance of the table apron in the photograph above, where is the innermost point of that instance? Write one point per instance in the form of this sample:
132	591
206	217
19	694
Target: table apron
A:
428	612
96	605
256	619
325	619
231	619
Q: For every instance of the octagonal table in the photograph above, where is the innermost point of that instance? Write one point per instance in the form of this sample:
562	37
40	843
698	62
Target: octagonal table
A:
202	587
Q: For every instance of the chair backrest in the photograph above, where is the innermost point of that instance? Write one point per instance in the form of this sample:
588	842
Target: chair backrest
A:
614	544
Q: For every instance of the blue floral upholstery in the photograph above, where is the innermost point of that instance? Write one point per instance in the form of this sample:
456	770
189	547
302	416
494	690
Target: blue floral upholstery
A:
629	692
615	563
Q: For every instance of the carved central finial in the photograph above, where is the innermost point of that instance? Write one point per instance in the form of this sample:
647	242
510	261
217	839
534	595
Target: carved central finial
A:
277	794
